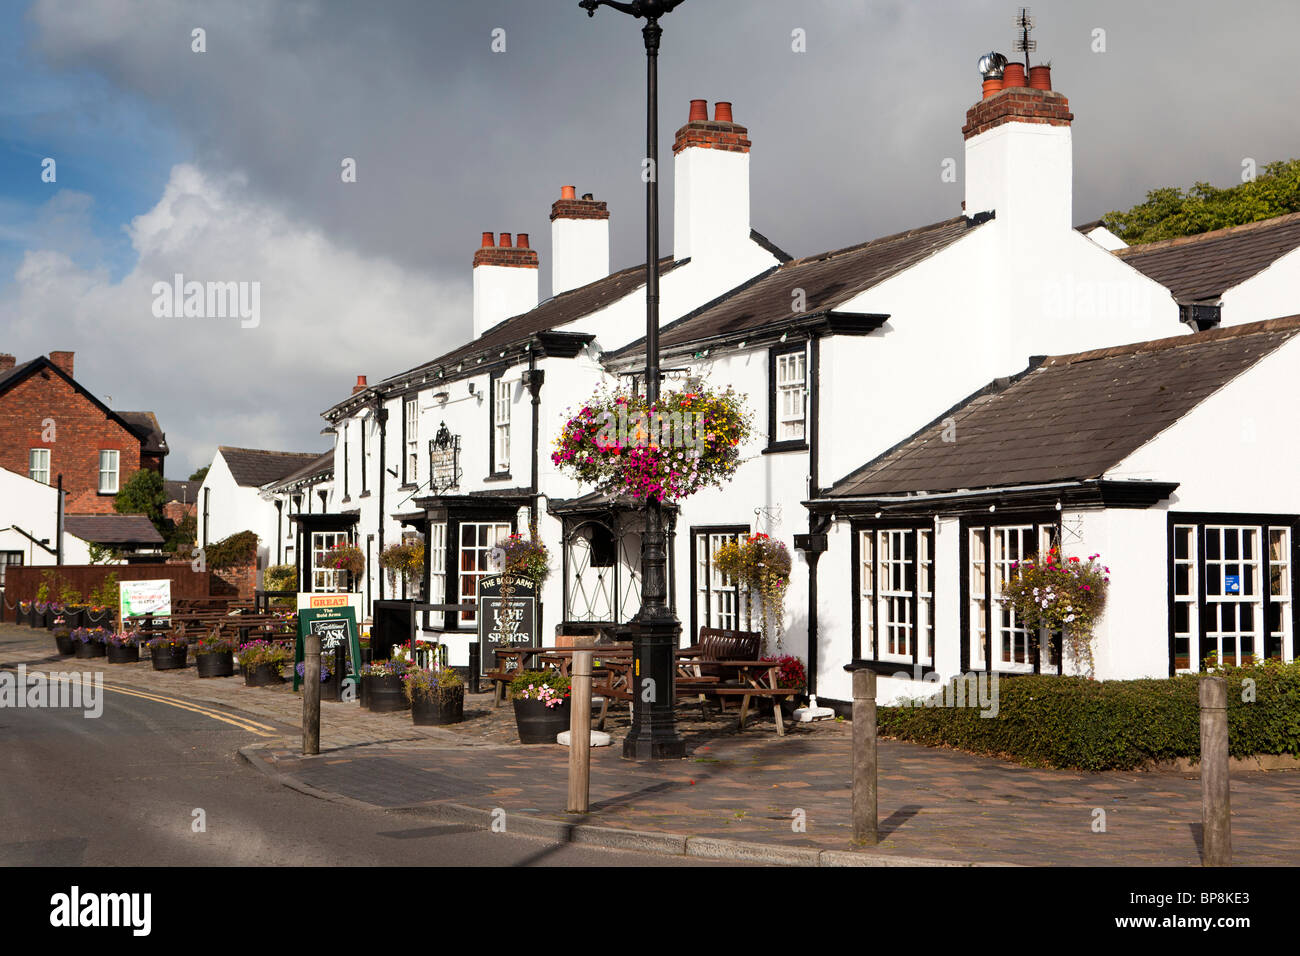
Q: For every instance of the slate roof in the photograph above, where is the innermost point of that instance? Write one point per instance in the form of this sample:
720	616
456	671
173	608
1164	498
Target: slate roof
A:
146	425
1073	417
255	467
183	491
1201	268
113	529
17	372
317	467
828	281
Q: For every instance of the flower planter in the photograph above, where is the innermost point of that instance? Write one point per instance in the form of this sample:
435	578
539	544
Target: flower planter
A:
262	675
215	664
39	618
168	658
88	649
63	641
383	694
539	724
445	708
123	653
74	617
24	616
101	618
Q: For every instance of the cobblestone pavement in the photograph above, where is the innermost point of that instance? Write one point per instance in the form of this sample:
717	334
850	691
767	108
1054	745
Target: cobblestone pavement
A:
750	786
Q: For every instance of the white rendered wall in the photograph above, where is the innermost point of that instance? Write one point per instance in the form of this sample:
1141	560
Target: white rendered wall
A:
579	252
710	202
1106	239
1273	293
33	507
1025	172
501	292
233	508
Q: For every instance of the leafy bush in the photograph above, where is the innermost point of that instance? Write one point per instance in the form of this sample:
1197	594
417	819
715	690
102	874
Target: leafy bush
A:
1081	724
234	549
280	577
106	595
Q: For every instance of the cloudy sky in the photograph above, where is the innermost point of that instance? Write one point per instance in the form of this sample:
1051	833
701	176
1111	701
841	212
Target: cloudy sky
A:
225	164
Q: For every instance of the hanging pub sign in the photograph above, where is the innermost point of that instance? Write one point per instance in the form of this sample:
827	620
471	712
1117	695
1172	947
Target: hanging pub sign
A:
444	461
507	615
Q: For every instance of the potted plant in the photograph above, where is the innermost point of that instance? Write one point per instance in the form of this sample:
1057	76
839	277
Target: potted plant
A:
405	560
330	677
346	557
790	674
436	696
72	606
103	600
261	662
366	655
89	641
1063	596
381	686
63	641
527	557
169	652
123	647
542	703
214	656
41	613
25	613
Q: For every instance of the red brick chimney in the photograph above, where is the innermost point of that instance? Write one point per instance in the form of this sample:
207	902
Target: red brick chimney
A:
6	361
360	386
710	184
64	361
505	280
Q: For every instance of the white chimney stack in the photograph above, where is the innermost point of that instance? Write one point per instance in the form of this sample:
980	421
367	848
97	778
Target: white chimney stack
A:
710	184
1018	152
579	241
505	280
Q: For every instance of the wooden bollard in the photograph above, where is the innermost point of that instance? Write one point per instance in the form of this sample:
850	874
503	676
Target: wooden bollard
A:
1216	815
580	733
311	694
864	758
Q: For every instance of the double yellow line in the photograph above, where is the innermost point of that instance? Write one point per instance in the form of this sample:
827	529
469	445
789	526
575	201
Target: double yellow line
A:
243	723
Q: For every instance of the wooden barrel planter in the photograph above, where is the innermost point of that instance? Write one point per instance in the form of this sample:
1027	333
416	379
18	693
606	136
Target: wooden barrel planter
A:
24	615
539	724
446	707
123	653
63	641
262	675
88	649
383	694
215	664
39	617
169	658
74	617
101	618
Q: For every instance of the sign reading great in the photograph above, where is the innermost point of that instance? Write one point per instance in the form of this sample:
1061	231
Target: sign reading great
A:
507	615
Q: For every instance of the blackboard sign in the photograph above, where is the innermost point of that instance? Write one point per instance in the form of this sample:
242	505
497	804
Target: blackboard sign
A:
507	615
336	627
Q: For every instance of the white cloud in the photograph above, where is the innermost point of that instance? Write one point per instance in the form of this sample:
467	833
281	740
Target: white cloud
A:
328	314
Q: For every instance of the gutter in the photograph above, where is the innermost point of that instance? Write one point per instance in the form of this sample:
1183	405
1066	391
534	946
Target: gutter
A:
1103	491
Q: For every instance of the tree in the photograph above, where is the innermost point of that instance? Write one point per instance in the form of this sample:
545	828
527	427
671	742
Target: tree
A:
1168	212
145	494
200	474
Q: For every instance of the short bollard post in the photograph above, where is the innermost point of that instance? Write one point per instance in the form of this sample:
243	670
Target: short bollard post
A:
1216	817
311	694
864	758
580	733
474	663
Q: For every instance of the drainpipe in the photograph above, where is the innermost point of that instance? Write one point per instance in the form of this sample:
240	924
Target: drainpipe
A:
534	378
58	527
279	531
381	414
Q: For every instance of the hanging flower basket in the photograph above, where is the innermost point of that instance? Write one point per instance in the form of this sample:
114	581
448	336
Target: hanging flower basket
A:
1066	596
528	557
761	567
346	557
404	560
688	440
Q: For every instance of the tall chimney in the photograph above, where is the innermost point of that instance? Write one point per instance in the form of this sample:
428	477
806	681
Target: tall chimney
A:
63	360
505	280
6	361
579	240
1019	159
710	184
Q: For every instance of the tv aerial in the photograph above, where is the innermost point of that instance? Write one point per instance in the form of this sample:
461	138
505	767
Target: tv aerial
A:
1024	23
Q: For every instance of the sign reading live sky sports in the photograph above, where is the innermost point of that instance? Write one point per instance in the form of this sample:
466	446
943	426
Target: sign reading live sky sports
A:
507	615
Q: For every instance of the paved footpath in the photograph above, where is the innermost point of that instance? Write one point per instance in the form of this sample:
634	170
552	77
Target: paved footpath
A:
788	799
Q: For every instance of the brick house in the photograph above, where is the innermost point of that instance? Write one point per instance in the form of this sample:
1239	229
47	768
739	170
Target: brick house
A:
51	425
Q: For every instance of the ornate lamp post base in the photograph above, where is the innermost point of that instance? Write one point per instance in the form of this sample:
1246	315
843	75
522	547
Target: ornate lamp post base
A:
654	733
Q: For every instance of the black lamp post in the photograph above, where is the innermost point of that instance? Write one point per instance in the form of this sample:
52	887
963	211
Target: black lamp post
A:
655	628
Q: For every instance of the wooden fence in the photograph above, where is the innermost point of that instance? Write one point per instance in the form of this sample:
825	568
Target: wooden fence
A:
21	582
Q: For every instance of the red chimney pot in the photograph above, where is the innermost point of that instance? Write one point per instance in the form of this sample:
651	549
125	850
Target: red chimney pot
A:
568	192
489	240
521	241
505	241
699	111
722	112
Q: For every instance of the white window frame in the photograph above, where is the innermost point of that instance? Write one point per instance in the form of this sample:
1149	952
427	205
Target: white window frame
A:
437	546
486	536
1011	644
411	415
38	465
718	602
115	458
327	580
791	394
502	399
896	569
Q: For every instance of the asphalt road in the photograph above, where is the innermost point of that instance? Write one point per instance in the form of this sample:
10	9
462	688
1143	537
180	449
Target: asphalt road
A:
123	790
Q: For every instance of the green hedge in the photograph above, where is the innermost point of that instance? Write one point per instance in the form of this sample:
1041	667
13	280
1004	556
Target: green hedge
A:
1075	723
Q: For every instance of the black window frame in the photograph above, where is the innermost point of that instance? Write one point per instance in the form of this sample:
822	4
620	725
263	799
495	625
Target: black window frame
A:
1199	520
793	444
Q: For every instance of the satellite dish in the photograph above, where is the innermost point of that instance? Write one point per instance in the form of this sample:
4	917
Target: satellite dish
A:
991	65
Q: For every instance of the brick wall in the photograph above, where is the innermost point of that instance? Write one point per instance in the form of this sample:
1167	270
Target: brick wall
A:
1018	104
80	431
241	577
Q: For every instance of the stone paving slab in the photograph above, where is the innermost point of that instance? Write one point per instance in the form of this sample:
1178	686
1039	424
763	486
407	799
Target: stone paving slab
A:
749	787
